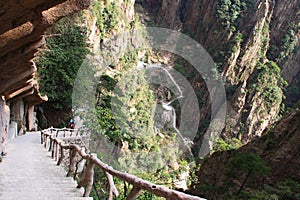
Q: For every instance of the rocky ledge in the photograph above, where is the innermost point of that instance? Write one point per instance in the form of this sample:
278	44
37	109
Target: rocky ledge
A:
23	24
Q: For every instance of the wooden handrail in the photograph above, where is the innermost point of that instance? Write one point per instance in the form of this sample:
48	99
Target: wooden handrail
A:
92	161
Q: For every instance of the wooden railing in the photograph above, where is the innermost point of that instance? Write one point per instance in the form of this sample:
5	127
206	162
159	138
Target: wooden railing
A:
61	140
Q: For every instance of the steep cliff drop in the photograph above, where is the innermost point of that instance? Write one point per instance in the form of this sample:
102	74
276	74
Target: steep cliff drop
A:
253	43
279	149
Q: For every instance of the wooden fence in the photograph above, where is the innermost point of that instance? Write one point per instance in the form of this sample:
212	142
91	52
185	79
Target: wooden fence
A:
60	140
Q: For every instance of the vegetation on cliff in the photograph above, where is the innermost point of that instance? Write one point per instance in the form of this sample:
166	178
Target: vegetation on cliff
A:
263	169
252	68
57	66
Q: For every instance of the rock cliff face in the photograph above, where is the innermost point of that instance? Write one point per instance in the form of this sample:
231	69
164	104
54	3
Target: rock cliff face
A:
254	44
23	24
279	148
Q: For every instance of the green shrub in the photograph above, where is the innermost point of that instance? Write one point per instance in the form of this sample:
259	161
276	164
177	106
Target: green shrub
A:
222	145
269	84
108	16
289	184
289	43
125	111
57	65
248	166
228	11
259	195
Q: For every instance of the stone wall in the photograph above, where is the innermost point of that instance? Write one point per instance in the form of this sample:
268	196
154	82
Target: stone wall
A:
17	112
31	119
4	122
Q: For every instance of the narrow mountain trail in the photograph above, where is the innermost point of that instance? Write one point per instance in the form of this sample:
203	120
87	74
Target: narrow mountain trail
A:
28	172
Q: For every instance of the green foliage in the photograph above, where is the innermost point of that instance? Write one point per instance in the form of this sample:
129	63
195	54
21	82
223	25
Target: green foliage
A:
250	162
265	40
128	60
287	189
290	185
108	15
193	177
125	111
225	145
259	195
190	73
207	188
271	144
228	11
125	106
248	166
239	168
238	38
134	106
289	43
282	50
58	66
269	84
236	42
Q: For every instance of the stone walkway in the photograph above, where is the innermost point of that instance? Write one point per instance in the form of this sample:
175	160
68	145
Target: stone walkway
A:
28	172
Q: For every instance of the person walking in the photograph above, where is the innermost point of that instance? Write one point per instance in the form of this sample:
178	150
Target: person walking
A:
72	123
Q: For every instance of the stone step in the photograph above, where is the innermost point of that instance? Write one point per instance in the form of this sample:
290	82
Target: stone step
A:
29	172
22	197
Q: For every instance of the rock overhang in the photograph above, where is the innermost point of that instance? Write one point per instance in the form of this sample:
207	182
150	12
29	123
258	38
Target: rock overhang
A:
23	24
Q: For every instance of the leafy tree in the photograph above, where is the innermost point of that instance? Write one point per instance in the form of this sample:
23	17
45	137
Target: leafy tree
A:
269	84
289	43
108	16
228	11
248	165
58	64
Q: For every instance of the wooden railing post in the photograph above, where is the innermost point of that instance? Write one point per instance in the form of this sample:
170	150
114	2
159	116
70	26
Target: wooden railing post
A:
89	177
45	141
112	188
52	148
42	141
56	151
72	153
62	156
92	160
50	144
134	193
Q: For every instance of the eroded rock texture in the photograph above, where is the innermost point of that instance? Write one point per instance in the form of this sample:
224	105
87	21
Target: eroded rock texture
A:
22	25
279	148
245	39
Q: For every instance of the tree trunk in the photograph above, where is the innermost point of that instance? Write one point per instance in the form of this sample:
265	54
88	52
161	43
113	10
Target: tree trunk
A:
244	182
